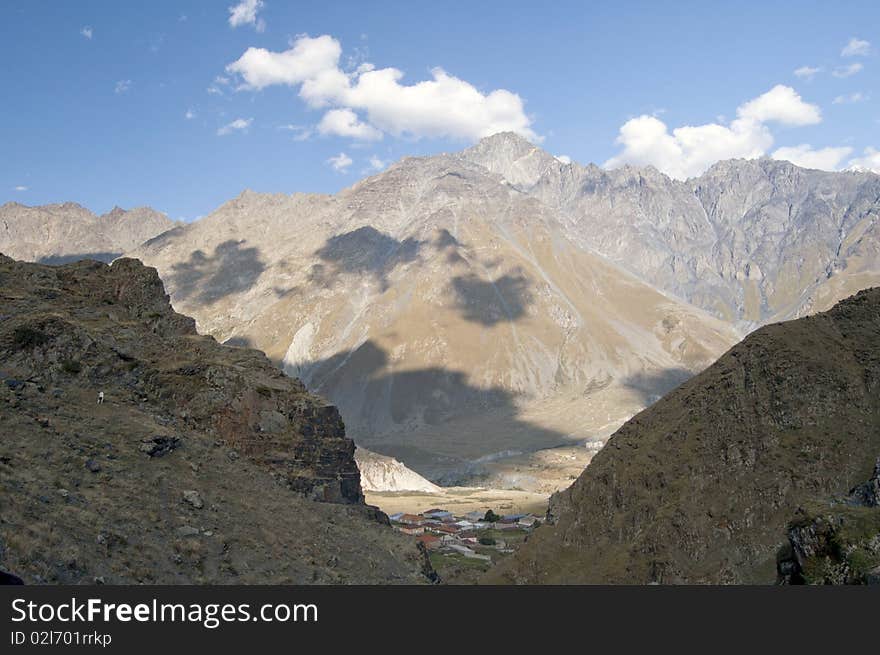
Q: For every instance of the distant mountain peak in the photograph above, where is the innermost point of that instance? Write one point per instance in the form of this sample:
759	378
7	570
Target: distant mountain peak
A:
507	137
515	158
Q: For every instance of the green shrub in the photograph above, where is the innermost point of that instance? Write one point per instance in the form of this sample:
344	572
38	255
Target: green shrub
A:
27	337
71	366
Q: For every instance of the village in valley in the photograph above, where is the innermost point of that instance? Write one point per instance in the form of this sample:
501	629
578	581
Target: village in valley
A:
461	547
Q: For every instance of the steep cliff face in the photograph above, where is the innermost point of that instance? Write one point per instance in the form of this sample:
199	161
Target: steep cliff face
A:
699	488
65	232
202	463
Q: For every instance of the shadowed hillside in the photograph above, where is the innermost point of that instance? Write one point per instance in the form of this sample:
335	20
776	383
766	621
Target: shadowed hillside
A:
699	487
203	464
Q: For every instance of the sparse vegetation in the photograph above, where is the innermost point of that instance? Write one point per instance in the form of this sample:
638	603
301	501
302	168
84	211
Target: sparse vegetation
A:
27	338
71	366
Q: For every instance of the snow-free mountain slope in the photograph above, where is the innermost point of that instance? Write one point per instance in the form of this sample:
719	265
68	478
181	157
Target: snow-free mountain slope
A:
436	305
701	486
751	241
55	234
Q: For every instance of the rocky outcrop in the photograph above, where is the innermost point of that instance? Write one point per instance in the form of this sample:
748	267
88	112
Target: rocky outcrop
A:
837	542
699	488
867	494
197	461
381	473
80	317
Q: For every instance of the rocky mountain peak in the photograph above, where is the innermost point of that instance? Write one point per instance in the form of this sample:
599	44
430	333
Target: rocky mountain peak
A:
515	158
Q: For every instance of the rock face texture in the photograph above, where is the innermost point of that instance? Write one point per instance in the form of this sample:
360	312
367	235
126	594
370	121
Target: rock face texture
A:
135	450
836	542
55	234
752	241
439	308
699	488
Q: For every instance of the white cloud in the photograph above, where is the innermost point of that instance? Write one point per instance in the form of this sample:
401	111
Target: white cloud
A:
689	150
344	122
87	32
849	99
826	159
807	72
869	161
375	164
847	71
21	187
308	59
122	86
300	132
217	85
781	104
443	106
340	162
245	13
856	48
565	159
190	114
238	125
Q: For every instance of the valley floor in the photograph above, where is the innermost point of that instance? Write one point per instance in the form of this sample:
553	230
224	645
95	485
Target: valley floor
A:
520	484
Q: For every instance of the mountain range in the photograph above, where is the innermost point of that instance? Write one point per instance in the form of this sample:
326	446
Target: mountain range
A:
752	241
66	232
467	306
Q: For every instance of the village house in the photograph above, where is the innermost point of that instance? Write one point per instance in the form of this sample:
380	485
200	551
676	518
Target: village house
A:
412	529
467	552
439	514
529	522
440	530
411	519
430	541
443	528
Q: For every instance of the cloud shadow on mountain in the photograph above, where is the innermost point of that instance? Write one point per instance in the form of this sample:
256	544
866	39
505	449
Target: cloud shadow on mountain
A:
364	251
232	268
489	302
376	402
653	385
59	260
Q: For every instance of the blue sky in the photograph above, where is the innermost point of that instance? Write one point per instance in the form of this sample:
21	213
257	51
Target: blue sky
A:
119	103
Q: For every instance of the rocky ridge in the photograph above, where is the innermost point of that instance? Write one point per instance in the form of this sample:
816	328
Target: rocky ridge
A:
701	486
65	232
752	241
204	463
